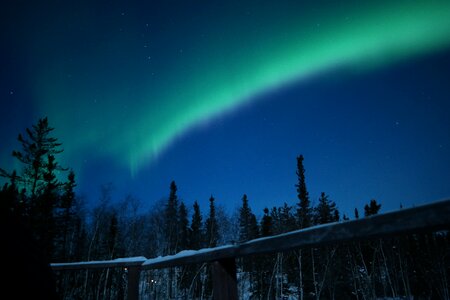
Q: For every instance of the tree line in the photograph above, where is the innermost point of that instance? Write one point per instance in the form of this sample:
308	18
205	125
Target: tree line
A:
41	196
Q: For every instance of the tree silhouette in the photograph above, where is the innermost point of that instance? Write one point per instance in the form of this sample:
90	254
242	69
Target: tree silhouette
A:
196	234
326	211
304	205
211	225
38	147
372	208
248	227
171	220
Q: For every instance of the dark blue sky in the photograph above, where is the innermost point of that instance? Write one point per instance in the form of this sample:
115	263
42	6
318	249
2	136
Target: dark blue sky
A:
382	134
222	98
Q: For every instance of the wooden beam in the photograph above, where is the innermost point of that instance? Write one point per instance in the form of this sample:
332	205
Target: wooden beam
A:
133	282
429	217
224	279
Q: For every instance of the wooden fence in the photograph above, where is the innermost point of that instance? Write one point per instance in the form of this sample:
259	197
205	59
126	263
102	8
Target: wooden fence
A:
425	218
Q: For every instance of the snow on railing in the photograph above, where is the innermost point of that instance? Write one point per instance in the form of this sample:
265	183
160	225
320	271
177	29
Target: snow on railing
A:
100	264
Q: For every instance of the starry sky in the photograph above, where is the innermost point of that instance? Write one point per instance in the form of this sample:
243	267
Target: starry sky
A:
222	96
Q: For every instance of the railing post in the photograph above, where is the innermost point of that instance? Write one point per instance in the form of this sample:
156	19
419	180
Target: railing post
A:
224	279
133	282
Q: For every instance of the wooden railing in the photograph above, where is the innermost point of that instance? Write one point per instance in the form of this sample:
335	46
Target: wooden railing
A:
429	217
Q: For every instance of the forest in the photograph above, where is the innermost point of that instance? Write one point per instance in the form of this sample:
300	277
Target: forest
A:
40	199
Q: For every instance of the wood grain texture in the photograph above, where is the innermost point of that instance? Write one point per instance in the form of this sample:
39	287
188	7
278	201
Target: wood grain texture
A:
133	282
224	279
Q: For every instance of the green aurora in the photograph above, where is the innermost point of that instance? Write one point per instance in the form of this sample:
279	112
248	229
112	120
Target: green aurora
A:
135	87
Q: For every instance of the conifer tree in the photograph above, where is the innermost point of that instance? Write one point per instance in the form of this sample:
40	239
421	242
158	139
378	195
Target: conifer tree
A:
211	226
254	228
171	233
171	221
372	208
248	227
10	197
326	211
304	220
304	206
264	262
43	217
193	279
275	215
266	224
248	230
37	147
40	187
183	244
66	216
212	237
183	227
287	218
196	234
337	216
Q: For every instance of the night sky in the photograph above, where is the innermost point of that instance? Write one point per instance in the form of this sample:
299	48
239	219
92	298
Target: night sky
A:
222	96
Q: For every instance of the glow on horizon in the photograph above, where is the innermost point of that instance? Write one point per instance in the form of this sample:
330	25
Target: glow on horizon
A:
226	78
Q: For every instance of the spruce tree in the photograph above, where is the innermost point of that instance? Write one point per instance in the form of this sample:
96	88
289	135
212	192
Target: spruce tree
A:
171	232
304	209
287	218
193	279
248	230
183	244
37	147
211	226
248	227
266	224
326	211
66	216
264	263
337	216
275	215
9	196
254	228
212	237
183	227
171	221
40	187
372	208
356	213
196	234
43	217
304	220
